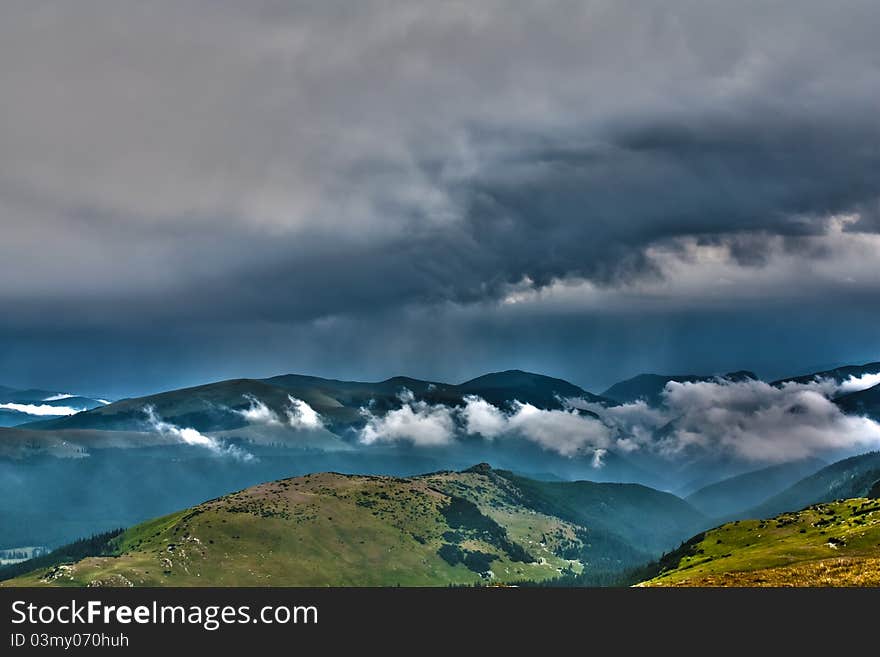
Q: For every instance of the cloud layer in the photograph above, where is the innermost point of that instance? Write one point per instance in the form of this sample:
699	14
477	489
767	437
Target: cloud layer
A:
302	416
857	383
551	143
59	397
566	432
259	413
298	414
415	422
448	161
746	420
750	420
41	409
190	436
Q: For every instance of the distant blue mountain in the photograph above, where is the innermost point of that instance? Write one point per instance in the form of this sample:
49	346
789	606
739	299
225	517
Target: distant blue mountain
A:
19	407
649	387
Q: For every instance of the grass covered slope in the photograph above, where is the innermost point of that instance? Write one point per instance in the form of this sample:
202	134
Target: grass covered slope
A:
318	530
829	544
334	530
647	519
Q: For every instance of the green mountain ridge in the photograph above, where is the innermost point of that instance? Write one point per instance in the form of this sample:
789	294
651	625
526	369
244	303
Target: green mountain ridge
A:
447	527
828	544
736	494
849	478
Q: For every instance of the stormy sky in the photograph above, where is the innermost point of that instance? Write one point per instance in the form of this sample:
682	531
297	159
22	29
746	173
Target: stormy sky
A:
195	190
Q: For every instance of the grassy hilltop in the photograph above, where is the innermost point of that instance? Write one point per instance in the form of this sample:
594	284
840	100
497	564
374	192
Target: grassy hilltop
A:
829	544
327	529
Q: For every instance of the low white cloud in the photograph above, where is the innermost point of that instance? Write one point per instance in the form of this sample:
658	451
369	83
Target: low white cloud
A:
190	436
42	409
482	418
760	422
59	397
302	416
566	432
633	424
857	383
258	412
416	422
751	420
298	415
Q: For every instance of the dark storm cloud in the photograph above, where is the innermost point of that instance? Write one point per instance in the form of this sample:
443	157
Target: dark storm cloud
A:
541	215
585	213
196	167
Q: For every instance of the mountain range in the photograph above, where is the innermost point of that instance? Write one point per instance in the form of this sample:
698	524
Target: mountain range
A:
736	494
442	528
213	406
480	525
650	387
19	407
121	463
